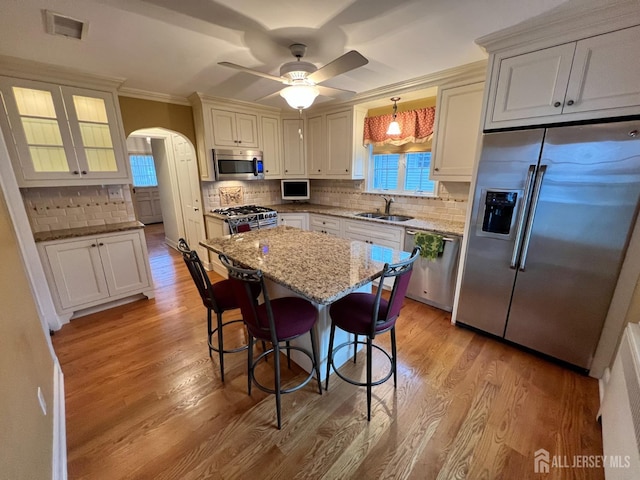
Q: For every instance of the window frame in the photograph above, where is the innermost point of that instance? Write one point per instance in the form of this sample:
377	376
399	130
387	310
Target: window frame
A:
133	178
402	169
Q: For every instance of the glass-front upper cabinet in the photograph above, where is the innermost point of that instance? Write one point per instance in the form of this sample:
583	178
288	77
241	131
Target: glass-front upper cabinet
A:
62	134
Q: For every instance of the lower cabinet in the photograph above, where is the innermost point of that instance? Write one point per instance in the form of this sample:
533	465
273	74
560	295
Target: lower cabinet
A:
216	227
297	220
88	271
325	224
379	236
374	233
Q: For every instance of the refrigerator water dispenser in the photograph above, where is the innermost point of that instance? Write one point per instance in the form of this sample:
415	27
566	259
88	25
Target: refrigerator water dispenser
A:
499	207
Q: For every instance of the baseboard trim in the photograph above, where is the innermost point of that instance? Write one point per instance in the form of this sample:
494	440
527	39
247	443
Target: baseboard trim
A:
59	461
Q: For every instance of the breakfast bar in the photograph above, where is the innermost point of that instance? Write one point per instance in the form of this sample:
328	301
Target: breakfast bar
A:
313	265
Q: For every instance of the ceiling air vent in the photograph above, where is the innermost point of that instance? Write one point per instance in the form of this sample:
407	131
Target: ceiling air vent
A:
66	26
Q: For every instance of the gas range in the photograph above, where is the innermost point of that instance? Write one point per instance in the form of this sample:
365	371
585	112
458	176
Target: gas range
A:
254	215
242	210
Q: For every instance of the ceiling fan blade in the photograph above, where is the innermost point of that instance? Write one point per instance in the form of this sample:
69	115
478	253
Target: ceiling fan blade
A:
268	97
334	92
343	64
252	72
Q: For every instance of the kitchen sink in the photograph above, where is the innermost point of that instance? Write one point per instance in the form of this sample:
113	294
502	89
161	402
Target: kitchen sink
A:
382	216
394	218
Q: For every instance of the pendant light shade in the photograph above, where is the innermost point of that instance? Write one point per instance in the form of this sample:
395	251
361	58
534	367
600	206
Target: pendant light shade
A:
300	96
394	126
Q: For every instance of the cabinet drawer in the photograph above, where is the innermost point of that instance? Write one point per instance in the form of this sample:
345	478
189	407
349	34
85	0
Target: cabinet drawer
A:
381	234
324	222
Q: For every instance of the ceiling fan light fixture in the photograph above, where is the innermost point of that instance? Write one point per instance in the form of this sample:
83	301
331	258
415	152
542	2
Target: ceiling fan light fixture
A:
300	96
394	126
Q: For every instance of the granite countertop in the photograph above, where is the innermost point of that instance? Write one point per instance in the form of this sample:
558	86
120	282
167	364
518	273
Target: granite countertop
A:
317	266
85	231
439	226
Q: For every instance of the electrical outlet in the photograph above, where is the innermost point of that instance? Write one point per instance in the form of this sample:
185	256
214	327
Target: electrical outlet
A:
41	208
115	193
43	403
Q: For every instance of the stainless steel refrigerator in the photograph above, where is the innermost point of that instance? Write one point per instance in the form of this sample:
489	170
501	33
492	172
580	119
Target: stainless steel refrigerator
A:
552	215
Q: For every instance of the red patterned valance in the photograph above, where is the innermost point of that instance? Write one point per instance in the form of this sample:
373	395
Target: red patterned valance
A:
416	127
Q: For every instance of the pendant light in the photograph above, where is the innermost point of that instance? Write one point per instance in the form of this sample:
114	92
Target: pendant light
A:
394	127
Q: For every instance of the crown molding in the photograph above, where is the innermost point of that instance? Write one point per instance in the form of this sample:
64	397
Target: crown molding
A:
153	96
198	97
571	21
21	68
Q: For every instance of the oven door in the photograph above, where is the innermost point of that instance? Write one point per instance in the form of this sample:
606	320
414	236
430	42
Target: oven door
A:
229	166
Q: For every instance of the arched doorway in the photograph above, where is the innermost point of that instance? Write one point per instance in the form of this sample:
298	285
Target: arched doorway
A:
180	195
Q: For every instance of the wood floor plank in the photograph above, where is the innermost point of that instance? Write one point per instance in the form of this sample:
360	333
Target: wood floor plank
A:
145	401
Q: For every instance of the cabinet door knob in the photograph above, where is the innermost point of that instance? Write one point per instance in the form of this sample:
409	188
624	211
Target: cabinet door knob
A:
318	170
76	172
101	244
557	104
286	171
93	245
84	172
437	169
346	170
570	102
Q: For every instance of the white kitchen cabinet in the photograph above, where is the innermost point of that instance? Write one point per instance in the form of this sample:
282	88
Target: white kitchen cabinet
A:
88	271
455	139
374	233
225	123
379	236
325	224
594	77
294	164
297	220
271	137
315	146
63	135
216	227
234	129
335	144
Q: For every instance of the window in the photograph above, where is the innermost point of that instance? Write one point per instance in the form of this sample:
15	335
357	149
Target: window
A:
406	172
143	170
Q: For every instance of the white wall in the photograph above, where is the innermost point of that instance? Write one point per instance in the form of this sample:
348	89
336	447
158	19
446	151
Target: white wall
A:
171	216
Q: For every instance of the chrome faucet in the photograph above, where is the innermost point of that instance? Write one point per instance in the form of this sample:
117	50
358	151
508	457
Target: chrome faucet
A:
387	204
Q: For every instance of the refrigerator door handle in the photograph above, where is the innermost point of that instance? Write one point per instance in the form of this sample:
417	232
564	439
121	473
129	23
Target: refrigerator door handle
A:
532	215
522	217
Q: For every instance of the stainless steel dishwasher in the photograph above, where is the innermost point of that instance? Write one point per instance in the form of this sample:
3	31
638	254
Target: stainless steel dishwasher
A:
433	281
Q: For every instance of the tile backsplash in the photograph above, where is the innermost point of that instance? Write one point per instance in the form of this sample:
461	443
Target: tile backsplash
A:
59	208
450	204
70	207
265	192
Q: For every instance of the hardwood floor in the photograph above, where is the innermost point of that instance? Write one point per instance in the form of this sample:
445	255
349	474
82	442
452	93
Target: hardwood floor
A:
144	401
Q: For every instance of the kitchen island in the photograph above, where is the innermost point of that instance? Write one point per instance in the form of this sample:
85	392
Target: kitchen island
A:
312	265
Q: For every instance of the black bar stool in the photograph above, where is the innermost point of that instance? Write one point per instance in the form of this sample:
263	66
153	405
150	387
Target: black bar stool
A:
369	314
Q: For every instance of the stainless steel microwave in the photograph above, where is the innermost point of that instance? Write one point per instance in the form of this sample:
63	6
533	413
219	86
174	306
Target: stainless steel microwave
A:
237	164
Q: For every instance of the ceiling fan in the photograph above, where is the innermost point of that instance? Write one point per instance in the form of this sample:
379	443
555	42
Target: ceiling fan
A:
303	78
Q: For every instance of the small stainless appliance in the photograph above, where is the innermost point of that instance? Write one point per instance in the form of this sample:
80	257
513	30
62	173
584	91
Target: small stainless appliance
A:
256	216
552	215
238	164
433	281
